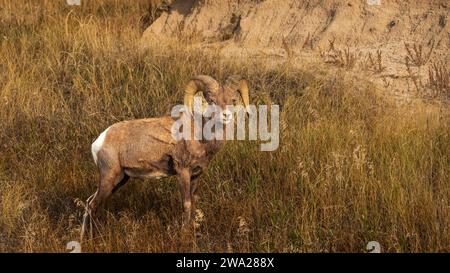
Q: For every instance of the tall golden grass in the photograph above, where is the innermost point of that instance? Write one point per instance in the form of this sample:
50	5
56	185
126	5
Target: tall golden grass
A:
351	167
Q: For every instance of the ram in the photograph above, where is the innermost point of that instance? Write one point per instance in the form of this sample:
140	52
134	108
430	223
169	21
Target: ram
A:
146	148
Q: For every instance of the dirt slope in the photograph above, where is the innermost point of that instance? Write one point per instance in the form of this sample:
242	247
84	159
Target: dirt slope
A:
345	33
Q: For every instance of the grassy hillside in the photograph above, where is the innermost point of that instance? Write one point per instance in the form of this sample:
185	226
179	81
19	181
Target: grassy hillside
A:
351	167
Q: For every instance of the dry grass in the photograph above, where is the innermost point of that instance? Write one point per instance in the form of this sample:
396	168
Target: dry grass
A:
345	58
350	168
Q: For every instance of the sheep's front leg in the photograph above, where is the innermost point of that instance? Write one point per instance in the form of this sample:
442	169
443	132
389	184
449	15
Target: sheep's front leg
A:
185	189
194	195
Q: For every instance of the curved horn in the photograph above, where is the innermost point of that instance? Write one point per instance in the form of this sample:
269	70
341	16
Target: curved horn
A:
205	84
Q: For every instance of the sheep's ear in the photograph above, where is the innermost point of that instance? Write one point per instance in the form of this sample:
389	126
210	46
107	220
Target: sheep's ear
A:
244	92
239	84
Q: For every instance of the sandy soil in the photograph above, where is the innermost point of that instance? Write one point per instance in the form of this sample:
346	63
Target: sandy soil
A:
367	40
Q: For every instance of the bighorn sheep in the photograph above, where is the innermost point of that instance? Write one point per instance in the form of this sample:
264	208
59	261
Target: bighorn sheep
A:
145	148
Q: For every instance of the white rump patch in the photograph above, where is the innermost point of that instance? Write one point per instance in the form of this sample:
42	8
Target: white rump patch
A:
97	145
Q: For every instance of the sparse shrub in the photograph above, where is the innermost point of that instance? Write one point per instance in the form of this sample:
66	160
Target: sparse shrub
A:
416	57
417	54
413	75
345	58
375	64
439	79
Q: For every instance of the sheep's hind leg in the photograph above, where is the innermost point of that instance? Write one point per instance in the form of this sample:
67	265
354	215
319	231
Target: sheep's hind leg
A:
110	180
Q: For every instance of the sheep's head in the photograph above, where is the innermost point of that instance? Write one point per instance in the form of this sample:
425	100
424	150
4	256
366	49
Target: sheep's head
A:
215	94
